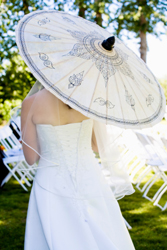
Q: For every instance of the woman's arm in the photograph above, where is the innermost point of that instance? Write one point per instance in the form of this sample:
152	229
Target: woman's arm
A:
29	134
94	143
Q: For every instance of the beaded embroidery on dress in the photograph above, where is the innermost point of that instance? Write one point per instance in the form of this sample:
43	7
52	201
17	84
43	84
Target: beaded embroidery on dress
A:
71	205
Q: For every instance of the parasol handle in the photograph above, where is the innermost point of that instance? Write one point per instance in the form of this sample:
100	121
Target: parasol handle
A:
108	43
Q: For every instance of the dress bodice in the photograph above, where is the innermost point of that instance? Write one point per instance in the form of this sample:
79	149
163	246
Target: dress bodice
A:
67	158
64	144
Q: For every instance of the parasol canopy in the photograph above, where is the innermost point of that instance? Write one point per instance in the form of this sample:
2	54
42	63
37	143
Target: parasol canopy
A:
89	69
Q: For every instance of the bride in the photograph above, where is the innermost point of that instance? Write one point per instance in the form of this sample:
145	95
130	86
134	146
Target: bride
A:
73	202
71	205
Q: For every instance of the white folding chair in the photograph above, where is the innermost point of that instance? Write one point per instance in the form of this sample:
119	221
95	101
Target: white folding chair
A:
157	163
149	151
159	195
14	160
15	127
162	168
137	161
127	224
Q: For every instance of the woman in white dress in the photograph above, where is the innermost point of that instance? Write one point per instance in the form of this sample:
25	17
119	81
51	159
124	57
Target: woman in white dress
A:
71	205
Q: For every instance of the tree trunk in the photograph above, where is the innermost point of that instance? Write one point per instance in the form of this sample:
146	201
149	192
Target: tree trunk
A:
25	7
81	11
143	38
143	46
98	18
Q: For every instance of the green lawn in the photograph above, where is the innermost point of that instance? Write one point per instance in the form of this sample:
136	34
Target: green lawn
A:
149	223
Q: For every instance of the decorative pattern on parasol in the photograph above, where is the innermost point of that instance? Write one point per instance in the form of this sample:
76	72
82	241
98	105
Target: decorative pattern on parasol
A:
90	70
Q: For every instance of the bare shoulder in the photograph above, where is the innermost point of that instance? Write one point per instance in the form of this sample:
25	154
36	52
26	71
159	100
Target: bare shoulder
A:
27	103
45	96
38	98
30	103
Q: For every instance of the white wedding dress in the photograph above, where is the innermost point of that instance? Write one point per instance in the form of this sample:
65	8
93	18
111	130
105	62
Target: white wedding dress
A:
71	205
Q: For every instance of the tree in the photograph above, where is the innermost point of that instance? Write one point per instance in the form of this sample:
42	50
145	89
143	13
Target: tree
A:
14	74
140	17
82	6
99	9
92	10
11	12
15	77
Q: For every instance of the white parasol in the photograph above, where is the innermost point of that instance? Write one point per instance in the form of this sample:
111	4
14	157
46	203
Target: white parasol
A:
90	70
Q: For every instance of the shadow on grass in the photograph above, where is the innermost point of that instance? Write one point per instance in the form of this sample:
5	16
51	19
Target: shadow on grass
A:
13	211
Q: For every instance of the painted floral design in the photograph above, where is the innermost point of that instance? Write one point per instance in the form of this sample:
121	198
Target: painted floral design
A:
46	60
68	20
46	37
149	100
89	48
75	80
129	99
146	77
102	102
43	21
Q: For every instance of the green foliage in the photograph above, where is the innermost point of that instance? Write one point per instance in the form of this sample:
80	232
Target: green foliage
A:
94	11
142	15
11	12
16	79
6	107
15	82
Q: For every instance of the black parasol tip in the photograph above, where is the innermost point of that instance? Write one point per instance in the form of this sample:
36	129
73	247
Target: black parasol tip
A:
108	43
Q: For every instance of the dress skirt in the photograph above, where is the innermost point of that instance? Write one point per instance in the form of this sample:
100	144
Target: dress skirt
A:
71	205
61	223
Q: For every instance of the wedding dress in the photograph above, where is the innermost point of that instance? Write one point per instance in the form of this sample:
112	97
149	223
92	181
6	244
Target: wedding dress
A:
71	205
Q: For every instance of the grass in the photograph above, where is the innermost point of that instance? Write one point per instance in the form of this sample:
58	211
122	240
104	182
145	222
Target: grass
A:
149	223
13	210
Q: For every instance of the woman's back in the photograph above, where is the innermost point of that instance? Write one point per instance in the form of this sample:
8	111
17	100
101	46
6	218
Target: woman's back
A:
48	109
71	205
67	157
43	108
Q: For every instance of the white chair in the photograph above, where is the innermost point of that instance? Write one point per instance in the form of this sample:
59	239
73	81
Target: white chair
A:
151	159
158	196
15	126
164	141
158	144
127	224
157	164
14	159
138	159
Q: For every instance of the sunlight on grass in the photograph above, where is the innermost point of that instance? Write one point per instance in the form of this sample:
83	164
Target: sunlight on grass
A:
2	222
15	182
164	226
163	221
145	208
